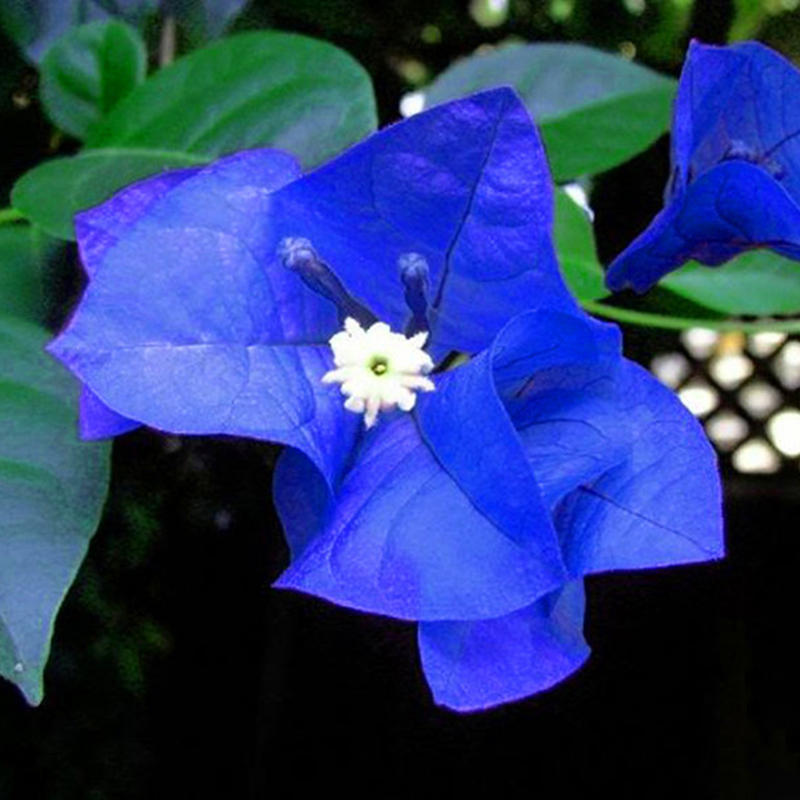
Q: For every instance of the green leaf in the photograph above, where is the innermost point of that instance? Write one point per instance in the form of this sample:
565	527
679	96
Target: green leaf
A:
52	489
748	17
22	252
88	71
249	90
36	24
595	110
647	319
577	254
758	282
52	193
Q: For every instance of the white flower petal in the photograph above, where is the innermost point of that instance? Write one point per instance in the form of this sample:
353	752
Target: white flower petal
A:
403	364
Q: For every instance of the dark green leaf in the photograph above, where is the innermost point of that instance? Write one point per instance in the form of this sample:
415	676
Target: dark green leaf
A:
758	282
595	110
88	71
748	17
577	254
52	193
250	90
22	252
52	489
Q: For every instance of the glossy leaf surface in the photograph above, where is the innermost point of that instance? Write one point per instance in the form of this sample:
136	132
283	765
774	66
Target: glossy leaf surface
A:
595	110
249	90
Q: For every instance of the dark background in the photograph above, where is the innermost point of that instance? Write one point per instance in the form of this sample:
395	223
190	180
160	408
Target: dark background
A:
177	672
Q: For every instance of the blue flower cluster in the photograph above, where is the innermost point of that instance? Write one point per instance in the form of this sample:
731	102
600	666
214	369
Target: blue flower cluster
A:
735	181
417	270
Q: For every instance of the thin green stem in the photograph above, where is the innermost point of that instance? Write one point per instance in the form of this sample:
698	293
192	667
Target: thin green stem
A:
648	320
10	215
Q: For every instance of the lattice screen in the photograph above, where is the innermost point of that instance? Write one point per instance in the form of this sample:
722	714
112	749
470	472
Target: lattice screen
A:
745	389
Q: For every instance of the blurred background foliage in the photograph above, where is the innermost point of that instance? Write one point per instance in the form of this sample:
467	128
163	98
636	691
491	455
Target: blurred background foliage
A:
173	664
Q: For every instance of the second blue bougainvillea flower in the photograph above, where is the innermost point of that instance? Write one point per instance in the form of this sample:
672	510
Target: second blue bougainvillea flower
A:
471	493
735	181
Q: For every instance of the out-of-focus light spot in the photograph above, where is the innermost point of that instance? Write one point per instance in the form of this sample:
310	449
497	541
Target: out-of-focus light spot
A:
730	370
784	430
670	368
223	519
765	343
756	456
776	7
21	100
726	429
579	196
730	342
172	444
635	7
431	34
627	50
699	397
700	342
412	103
489	13
759	399
787	365
411	70
561	10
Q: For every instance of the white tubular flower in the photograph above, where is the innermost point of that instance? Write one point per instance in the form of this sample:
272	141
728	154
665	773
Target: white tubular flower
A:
378	369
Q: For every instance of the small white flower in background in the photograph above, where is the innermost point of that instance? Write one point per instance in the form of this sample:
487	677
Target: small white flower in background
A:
378	369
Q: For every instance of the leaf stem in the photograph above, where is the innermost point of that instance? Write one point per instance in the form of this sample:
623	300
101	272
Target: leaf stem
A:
648	320
166	44
10	215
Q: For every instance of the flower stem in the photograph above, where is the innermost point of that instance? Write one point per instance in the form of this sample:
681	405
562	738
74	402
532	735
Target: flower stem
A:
10	215
649	320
